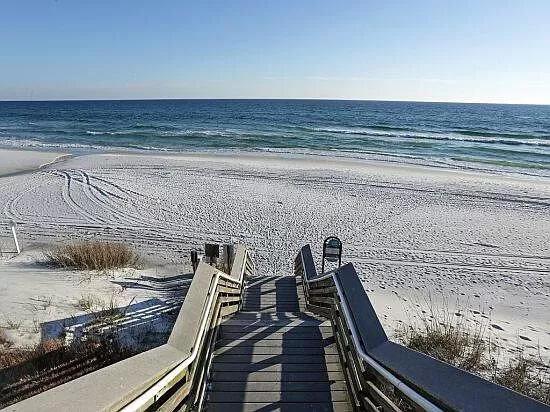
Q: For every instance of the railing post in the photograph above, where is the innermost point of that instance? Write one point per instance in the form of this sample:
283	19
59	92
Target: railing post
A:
194	260
12	224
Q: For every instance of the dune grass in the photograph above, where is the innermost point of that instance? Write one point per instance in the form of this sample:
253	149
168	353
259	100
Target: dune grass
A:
93	256
27	371
446	336
528	376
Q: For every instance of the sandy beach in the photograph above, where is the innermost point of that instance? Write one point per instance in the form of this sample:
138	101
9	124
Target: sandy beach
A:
18	161
476	242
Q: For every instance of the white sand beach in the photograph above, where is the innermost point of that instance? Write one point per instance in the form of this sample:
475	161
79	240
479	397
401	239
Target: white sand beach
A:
413	233
17	161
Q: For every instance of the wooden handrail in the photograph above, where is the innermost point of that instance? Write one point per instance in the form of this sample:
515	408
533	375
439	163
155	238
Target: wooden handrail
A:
169	376
381	375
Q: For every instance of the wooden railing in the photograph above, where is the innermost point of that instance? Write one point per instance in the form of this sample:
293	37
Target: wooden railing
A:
171	376
382	375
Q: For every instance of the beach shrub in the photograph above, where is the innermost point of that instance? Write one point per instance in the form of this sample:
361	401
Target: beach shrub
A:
93	256
448	338
25	372
4	341
528	376
444	335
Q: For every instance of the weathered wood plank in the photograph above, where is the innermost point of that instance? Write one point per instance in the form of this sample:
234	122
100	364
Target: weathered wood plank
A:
325	311
293	367
276	350
274	335
271	309
279	386
287	406
321	300
267	376
270	359
367	323
260	342
298	397
283	322
315	330
275	316
322	291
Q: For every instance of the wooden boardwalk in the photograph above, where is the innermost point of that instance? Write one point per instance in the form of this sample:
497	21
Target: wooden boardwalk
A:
273	356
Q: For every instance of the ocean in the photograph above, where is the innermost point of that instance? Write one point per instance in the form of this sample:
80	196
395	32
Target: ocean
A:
501	138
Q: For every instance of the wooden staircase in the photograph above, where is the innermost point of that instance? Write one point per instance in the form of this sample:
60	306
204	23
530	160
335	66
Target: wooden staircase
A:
274	356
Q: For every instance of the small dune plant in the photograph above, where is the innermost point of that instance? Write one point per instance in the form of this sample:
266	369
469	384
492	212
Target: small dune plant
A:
528	376
27	371
93	256
445	335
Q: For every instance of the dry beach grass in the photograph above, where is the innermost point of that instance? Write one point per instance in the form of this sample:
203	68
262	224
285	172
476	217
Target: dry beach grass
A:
27	371
444	335
93	256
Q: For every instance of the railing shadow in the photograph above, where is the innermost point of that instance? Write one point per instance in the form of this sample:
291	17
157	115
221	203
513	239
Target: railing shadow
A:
147	323
292	352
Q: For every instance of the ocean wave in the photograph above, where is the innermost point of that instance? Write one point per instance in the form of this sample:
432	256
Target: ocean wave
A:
456	136
107	133
494	140
502	135
193	134
157	133
38	144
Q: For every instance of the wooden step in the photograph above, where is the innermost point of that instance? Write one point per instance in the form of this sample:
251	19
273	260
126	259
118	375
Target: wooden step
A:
272	297
272	308
277	386
282	407
300	329
275	397
270	376
282	337
271	292
268	359
283	322
276	350
261	342
292	367
275	316
275	303
310	331
271	356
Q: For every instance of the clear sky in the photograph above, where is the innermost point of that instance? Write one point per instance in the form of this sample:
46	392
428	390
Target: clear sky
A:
431	50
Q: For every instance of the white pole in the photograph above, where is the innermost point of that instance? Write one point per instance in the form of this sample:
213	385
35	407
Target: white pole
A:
15	237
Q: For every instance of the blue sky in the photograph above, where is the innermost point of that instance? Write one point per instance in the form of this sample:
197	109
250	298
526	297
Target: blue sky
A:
471	51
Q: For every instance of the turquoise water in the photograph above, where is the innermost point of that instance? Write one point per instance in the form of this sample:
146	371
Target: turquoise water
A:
488	136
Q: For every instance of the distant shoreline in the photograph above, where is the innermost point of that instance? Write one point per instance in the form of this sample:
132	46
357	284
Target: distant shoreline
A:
158	99
21	161
501	139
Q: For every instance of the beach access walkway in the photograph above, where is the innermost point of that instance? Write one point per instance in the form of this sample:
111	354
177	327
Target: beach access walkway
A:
275	354
246	342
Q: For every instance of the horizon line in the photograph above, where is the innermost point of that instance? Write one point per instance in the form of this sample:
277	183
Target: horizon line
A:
263	98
